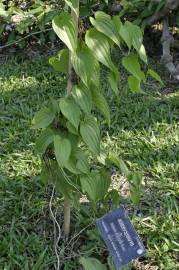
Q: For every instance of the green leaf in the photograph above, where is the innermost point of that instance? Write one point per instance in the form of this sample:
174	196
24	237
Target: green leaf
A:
65	27
96	75
100	46
82	165
114	159
125	35
101	103
90	133
118	162
131	63
74	140
70	110
59	179
73	4
92	264
71	166
155	76
105	25
102	157
61	61
117	22
123	167
43	118
44	175
62	148
82	161
82	97
136	34
134	84
44	140
113	197
54	105
113	82
95	185
137	39
83	62
142	54
71	128
52	173
135	180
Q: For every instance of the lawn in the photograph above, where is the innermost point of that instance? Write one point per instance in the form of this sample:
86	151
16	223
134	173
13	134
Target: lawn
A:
144	132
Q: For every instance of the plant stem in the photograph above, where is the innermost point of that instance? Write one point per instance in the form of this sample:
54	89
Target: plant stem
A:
66	224
69	88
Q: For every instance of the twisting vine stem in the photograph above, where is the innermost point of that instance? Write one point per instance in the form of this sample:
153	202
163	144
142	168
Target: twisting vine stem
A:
58	226
67	214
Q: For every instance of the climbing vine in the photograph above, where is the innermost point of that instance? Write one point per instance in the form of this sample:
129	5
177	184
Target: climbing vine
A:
70	140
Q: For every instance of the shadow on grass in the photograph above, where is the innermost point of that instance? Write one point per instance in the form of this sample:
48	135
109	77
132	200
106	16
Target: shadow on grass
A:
26	231
25	87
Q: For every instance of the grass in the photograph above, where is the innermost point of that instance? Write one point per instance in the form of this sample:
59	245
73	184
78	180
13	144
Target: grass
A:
144	132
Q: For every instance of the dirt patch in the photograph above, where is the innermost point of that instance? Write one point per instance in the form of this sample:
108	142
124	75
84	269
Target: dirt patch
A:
142	266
